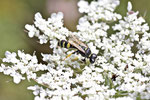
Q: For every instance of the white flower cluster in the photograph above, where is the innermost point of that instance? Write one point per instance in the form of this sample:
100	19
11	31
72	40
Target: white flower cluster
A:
16	65
52	28
121	70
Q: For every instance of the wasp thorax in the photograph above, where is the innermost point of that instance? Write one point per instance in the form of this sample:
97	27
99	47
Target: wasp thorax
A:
87	52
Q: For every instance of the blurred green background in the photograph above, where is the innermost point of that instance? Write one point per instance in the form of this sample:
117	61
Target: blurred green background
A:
14	14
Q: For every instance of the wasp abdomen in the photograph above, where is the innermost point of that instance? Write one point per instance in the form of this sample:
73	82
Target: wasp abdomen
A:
64	44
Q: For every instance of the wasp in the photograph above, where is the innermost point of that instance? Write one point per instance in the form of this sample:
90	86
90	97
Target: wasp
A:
80	47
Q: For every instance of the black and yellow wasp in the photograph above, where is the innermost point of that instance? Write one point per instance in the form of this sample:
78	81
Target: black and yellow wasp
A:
80	47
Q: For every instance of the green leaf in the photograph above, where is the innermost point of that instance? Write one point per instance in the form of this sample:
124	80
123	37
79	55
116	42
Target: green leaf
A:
121	94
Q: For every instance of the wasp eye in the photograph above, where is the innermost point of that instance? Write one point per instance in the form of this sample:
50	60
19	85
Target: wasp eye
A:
93	57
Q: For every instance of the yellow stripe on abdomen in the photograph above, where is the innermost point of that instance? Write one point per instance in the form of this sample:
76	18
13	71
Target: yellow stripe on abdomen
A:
68	45
64	45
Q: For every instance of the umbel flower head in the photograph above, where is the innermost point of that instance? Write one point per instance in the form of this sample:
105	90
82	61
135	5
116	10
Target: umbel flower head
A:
122	67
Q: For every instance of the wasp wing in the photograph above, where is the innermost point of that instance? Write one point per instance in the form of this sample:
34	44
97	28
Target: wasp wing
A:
74	38
76	45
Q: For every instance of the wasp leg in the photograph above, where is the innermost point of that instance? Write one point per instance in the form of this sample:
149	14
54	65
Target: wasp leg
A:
75	59
71	54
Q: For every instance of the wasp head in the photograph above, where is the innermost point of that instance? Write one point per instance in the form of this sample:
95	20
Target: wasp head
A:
93	57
